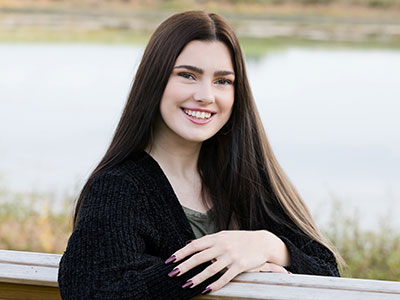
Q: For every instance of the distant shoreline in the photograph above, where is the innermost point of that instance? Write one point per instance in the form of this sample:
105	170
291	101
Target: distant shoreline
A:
115	22
325	8
136	29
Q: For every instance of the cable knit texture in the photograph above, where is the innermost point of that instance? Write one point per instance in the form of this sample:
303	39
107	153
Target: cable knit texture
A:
130	222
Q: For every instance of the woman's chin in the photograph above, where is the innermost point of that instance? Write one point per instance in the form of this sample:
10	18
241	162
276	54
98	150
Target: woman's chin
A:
198	138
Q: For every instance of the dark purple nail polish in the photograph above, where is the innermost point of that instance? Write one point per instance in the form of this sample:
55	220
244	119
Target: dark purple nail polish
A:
206	291
187	284
189	241
170	260
174	272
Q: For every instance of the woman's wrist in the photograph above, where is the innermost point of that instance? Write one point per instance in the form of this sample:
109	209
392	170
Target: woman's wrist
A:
275	249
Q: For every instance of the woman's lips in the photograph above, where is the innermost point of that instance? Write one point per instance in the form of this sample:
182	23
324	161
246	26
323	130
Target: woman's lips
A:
199	109
198	116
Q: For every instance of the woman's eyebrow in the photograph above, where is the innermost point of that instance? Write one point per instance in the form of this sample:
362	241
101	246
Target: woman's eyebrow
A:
201	71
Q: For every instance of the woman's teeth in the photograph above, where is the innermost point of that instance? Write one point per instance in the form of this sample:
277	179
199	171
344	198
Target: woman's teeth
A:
197	114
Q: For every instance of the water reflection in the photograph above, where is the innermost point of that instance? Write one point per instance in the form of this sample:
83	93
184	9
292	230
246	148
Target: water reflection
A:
331	117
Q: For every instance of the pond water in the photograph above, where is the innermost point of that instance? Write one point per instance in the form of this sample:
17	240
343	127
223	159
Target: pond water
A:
331	116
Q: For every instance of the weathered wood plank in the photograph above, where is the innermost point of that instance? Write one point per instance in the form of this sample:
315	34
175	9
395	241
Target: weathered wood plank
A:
32	275
30	258
30	268
251	291
312	281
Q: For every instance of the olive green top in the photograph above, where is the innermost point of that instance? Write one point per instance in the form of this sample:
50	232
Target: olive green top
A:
200	222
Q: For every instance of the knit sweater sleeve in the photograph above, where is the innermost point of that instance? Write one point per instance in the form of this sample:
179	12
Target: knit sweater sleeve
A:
308	256
107	257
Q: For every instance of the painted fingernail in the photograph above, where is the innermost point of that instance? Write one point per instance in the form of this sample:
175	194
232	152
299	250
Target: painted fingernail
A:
189	241
174	272
187	284
170	260
206	291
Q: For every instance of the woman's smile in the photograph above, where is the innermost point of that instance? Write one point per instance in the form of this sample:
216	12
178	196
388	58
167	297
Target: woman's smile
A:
198	115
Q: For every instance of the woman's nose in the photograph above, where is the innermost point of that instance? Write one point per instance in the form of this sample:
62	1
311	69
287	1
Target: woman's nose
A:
204	93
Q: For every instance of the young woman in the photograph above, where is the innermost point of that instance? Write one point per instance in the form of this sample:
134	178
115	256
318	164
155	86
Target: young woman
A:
189	193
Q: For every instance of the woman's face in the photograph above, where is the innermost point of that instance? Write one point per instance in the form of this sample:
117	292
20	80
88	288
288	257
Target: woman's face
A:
199	95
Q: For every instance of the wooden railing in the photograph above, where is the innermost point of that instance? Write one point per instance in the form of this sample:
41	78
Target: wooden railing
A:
33	276
28	275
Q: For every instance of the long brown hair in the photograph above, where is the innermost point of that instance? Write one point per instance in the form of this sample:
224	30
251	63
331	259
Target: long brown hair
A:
241	178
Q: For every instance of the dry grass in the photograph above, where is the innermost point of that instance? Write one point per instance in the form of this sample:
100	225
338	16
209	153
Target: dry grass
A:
28	223
368	254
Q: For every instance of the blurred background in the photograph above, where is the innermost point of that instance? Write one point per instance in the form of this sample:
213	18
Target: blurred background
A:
325	75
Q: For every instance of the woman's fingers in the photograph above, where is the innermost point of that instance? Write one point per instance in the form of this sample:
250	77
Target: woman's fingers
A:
254	270
197	259
273	268
192	247
239	251
218	266
269	267
231	273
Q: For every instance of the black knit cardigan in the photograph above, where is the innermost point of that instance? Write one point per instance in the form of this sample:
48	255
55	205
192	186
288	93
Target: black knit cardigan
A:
130	222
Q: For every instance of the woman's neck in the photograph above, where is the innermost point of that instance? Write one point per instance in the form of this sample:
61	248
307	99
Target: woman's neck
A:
177	157
179	163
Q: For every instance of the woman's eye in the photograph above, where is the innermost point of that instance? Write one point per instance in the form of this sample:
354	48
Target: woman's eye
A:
186	75
224	81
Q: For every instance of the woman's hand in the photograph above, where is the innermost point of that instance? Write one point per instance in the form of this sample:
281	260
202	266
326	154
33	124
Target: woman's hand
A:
232	252
270	268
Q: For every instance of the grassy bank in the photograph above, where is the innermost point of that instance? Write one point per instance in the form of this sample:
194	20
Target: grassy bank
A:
28	223
278	7
48	35
373	22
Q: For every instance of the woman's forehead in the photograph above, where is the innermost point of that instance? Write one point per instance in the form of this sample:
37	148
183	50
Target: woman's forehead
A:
207	55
